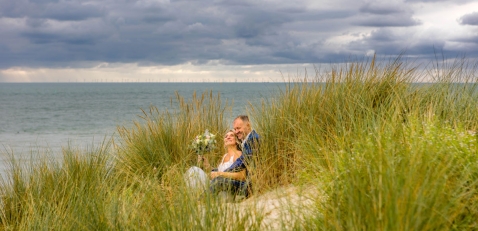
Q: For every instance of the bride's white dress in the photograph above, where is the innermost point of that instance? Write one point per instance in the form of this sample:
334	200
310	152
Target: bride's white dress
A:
196	178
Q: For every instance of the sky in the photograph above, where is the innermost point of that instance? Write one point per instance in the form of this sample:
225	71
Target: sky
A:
221	40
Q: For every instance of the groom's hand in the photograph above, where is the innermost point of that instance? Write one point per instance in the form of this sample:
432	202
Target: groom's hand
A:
214	175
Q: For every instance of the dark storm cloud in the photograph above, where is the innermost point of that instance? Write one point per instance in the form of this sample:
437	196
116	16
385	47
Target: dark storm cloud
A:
387	21
64	11
385	14
71	12
253	24
427	0
469	19
439	1
60	33
160	32
43	37
382	9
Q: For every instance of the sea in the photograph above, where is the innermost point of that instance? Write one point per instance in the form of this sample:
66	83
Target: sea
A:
42	118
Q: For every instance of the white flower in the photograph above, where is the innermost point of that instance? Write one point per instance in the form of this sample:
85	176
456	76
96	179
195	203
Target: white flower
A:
204	143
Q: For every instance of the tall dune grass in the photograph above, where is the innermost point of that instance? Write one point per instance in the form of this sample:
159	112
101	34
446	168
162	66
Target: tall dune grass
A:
330	111
376	148
418	176
162	138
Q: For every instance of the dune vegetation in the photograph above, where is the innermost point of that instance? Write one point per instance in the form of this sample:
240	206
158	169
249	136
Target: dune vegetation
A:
365	145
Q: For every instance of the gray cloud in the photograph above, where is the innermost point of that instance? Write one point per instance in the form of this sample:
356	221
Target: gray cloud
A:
386	14
45	37
382	8
52	33
385	41
71	11
387	21
44	9
258	23
469	19
35	23
428	0
467	39
382	41
438	1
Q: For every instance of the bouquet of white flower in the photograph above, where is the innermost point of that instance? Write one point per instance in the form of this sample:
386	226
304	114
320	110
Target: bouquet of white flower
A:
204	143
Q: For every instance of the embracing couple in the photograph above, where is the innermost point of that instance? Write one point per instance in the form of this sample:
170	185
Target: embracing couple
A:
232	175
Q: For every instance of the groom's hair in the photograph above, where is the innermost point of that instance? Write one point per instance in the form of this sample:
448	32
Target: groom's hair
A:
244	118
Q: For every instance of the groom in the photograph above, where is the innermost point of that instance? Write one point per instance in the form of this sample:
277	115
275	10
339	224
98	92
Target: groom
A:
248	137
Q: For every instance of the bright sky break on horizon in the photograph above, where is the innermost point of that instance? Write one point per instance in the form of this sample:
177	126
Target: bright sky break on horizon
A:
218	40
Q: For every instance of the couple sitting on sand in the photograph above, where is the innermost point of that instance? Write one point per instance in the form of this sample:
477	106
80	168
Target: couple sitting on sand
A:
232	175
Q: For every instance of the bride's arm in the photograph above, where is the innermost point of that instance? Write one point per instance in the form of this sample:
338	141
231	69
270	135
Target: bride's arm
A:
241	176
206	165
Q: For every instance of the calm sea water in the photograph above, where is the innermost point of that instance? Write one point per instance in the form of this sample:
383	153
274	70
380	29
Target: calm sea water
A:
38	116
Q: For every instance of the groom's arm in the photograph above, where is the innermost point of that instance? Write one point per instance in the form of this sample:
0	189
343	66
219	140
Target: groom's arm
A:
237	166
251	146
241	176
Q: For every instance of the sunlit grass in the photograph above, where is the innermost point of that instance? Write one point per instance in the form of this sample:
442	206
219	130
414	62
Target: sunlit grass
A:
421	176
362	146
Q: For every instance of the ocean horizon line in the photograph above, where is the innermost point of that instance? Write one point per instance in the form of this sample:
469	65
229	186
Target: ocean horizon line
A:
298	81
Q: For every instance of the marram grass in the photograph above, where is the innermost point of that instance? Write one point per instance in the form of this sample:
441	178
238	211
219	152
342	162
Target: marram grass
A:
162	138
371	148
421	176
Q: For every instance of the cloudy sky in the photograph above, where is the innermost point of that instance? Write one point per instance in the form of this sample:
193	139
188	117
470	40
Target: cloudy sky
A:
220	40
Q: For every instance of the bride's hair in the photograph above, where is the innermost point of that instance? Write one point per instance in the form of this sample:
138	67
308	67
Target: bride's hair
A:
238	143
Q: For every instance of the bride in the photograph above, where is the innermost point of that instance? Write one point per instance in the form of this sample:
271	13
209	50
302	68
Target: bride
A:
223	179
